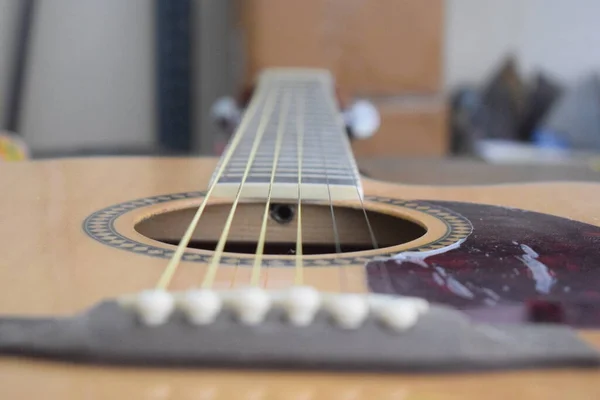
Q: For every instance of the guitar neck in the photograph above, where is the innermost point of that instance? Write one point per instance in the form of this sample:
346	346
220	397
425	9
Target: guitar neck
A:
291	143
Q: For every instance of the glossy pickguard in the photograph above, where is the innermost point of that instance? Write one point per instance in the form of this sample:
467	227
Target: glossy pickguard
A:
515	264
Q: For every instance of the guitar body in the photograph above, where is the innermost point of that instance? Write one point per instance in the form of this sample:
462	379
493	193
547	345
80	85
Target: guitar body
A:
73	233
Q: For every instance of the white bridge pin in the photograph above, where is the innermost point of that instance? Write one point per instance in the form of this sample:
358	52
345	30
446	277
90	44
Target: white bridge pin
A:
348	310
154	307
201	307
377	301
250	305
301	304
399	314
421	305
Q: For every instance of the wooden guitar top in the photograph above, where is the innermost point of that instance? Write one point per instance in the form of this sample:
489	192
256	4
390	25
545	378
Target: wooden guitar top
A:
50	266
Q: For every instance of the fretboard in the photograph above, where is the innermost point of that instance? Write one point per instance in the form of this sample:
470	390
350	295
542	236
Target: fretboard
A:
291	140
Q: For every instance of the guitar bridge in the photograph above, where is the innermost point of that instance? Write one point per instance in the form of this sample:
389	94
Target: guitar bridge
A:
299	328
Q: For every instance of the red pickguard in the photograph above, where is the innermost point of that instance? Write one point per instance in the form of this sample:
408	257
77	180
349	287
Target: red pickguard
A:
494	276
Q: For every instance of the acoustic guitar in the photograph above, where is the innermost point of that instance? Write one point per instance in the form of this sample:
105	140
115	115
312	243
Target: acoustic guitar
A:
278	272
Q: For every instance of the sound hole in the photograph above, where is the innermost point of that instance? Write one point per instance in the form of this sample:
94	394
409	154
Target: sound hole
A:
317	228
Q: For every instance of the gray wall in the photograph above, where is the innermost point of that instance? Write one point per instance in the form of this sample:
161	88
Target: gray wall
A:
217	67
90	81
559	36
8	15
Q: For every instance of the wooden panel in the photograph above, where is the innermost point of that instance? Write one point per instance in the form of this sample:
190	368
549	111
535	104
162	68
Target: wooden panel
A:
408	130
382	46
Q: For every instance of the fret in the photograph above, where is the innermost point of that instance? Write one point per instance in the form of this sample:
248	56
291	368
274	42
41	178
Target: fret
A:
260	176
328	166
294	182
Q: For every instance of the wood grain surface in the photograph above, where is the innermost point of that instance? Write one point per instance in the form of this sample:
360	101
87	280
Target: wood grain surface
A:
49	266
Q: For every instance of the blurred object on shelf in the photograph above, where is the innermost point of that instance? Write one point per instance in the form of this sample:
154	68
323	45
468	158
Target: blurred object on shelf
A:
464	104
511	121
503	101
542	94
495	111
12	148
574	122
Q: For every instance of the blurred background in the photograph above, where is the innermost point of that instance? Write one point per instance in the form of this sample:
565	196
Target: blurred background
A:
496	82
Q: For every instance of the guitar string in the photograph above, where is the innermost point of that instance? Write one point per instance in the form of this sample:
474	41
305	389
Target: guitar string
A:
341	123
336	236
256	268
209	277
300	103
372	236
172	266
169	271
